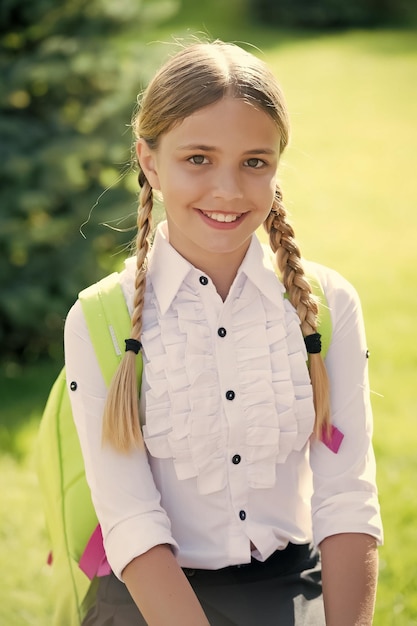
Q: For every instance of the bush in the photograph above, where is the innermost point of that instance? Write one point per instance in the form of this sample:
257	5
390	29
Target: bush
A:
331	13
68	86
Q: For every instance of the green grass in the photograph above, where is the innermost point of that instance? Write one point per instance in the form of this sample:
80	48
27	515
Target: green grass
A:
24	592
349	182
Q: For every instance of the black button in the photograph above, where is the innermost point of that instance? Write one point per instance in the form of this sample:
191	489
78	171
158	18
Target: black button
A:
367	354
236	459
73	385
221	332
230	395
242	515
204	280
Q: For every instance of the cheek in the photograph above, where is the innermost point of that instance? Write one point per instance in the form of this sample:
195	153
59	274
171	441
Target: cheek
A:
266	191
175	191
273	183
182	186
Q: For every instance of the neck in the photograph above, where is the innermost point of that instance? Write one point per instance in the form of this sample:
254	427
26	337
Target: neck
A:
216	259
221	269
222	280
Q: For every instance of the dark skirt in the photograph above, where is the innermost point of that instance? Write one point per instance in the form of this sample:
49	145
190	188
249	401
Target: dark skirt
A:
285	590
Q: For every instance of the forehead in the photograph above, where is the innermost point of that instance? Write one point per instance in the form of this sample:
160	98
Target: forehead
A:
229	121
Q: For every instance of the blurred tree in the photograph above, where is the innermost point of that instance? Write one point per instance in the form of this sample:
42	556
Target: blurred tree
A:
70	71
332	13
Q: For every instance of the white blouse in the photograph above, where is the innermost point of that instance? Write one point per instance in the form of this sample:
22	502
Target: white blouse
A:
227	402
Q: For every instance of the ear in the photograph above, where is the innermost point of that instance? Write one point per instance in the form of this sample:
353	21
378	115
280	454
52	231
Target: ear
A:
147	162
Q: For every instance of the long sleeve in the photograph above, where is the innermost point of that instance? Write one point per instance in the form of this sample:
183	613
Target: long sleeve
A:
345	496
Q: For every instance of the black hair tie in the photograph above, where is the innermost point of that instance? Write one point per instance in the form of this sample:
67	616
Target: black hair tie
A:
133	345
313	343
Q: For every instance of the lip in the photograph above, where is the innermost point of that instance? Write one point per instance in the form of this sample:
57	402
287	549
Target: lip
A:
221	225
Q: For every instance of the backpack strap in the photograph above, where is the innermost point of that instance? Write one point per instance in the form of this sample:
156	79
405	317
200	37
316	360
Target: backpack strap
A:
108	321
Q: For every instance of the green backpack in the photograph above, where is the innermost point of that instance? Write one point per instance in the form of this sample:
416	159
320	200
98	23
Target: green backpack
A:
70	517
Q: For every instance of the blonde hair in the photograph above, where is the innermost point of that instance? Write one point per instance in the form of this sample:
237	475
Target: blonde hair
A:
197	76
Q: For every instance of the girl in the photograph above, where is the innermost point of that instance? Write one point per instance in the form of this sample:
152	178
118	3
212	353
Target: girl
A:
213	516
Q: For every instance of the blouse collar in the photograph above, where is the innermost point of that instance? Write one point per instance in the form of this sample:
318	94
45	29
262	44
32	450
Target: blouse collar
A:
167	269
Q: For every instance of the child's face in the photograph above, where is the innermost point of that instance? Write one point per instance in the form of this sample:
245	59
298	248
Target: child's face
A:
217	172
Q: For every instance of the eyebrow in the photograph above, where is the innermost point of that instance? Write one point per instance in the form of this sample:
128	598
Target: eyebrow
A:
205	148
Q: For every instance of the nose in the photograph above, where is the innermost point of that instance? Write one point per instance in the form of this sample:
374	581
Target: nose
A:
227	185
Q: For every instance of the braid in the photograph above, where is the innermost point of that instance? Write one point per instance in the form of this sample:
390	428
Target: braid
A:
142	248
121	423
288	257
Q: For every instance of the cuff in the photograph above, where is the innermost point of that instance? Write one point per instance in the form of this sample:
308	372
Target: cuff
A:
134	537
348	513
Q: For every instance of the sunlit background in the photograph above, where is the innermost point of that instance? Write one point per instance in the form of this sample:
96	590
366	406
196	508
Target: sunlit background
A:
70	74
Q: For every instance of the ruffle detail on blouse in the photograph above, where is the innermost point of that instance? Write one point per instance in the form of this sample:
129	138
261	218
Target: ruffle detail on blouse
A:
182	392
274	383
183	404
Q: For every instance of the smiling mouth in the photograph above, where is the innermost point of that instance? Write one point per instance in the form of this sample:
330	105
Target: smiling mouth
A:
223	217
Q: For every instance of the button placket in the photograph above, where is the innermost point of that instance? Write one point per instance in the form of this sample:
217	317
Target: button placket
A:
229	384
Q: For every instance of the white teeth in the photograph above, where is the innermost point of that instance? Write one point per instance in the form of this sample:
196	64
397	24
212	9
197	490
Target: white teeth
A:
223	217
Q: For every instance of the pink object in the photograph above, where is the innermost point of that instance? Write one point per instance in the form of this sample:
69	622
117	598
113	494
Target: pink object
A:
334	440
93	561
